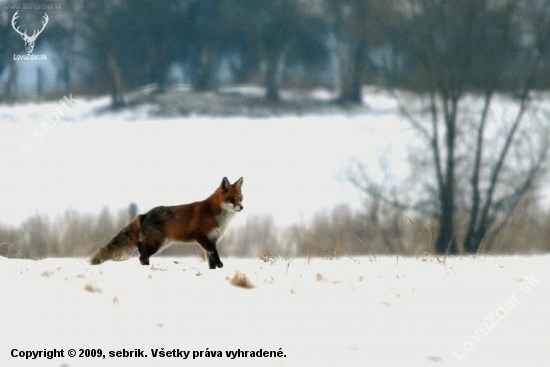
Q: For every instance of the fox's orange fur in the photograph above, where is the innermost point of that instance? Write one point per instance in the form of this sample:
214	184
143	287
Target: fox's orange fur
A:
202	221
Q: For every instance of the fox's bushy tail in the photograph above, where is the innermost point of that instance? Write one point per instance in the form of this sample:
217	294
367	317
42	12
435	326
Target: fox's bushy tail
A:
117	248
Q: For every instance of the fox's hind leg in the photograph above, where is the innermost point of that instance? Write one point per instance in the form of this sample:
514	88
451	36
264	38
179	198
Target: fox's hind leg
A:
150	240
147	247
146	250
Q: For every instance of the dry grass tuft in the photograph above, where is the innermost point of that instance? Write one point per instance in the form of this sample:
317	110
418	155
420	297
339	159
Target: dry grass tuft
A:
267	257
241	280
46	274
91	288
434	359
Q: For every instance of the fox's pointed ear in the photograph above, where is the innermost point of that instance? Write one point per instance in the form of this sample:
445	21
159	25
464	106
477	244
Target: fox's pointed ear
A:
238	183
225	184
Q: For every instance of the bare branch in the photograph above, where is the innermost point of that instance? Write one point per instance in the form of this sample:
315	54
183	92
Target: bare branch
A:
373	190
476	195
436	152
500	162
409	116
512	201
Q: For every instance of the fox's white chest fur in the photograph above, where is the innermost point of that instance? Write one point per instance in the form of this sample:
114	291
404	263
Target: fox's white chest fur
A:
222	219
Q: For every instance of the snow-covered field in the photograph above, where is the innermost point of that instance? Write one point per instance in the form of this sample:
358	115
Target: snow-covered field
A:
60	155
367	311
292	166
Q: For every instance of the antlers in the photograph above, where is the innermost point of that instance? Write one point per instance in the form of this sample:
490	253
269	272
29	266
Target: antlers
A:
15	16
24	34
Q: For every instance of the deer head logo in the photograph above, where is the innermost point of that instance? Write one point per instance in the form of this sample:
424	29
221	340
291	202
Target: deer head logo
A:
29	40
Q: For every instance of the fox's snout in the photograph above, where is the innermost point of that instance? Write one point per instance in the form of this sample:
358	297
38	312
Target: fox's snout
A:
231	206
238	203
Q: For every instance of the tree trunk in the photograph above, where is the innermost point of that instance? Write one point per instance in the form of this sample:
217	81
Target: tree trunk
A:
270	82
117	90
446	240
205	73
352	68
11	84
160	66
39	83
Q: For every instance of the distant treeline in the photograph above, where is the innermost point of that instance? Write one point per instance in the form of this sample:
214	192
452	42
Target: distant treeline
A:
113	46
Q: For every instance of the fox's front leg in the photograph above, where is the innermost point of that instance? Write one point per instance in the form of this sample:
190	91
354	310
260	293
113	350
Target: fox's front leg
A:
214	260
212	255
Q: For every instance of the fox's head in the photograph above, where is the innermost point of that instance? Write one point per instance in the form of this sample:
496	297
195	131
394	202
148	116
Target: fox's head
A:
231	194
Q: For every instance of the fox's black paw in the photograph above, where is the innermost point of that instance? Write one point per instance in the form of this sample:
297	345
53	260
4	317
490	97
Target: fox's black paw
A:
219	265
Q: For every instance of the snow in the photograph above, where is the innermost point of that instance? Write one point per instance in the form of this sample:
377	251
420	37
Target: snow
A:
365	311
292	166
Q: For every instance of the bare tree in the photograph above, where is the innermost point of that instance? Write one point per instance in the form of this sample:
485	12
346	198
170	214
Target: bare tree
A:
103	41
6	52
484	157
356	26
350	28
206	37
277	26
151	37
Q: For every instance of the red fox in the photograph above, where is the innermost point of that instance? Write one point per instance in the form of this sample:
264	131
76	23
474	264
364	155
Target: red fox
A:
202	221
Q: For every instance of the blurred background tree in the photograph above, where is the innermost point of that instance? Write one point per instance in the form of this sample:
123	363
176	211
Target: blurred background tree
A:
116	46
477	169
